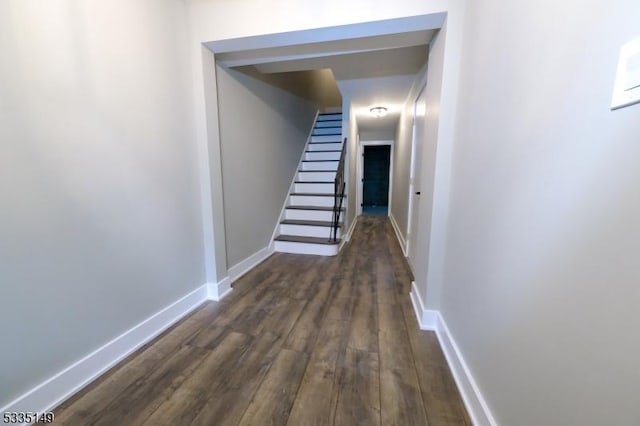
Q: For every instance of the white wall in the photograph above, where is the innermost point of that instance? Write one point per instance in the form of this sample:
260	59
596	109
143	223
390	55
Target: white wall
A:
263	130
100	218
377	135
213	20
317	86
542	279
321	88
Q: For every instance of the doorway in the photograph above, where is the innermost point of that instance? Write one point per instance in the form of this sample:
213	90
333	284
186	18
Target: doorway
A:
376	161
418	137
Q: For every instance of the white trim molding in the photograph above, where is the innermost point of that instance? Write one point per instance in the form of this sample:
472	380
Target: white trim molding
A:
64	384
239	269
471	395
396	229
218	291
221	289
426	317
347	236
473	399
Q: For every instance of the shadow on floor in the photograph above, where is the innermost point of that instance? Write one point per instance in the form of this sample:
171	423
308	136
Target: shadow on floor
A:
375	210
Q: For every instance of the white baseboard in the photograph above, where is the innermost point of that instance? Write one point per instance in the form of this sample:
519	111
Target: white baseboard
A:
426	317
401	240
347	236
239	269
217	291
473	399
61	386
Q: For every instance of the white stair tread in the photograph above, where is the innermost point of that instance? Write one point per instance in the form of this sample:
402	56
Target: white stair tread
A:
308	222
323	208
330	116
314	181
315	194
307	240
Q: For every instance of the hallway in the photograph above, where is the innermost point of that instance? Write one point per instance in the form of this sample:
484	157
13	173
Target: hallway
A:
301	340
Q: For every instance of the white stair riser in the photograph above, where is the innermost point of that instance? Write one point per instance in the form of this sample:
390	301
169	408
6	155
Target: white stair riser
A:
327	117
321	165
324	215
308	200
329	123
325	138
326	131
306	248
316	176
307	231
314	188
325	146
319	155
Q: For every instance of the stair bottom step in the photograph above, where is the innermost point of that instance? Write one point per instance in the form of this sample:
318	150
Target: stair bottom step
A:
285	246
309	222
307	240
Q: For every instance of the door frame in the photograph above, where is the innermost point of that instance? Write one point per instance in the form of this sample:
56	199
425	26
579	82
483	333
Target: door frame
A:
360	171
412	173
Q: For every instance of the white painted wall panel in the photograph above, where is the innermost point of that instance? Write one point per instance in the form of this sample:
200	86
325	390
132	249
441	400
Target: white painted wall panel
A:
100	225
542	279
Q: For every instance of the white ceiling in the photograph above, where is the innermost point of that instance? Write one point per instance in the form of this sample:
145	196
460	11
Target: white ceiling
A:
390	92
370	71
347	66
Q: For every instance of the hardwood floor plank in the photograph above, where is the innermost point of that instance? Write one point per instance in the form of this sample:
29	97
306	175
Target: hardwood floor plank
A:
340	308
395	347
137	402
281	320
274	398
310	272
359	390
442	401
190	398
400	399
303	336
317	397
228	397
364	319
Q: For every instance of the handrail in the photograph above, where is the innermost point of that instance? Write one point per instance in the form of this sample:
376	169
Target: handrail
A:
338	195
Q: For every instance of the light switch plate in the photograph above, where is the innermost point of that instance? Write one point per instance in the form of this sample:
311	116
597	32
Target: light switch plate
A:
626	90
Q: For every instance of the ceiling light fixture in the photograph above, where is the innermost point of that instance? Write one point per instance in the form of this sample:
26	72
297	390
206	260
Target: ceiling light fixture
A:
378	112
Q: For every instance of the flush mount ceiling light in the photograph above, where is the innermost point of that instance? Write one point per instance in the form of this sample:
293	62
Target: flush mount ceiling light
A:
378	111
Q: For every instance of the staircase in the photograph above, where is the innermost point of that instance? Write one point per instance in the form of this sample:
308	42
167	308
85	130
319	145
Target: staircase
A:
306	226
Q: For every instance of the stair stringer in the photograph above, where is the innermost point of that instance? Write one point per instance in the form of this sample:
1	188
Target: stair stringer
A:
292	185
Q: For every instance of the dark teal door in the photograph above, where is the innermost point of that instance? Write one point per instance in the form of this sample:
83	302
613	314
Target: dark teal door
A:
375	186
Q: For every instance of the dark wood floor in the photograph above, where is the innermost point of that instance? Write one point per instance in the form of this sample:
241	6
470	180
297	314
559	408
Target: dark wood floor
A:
301	340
